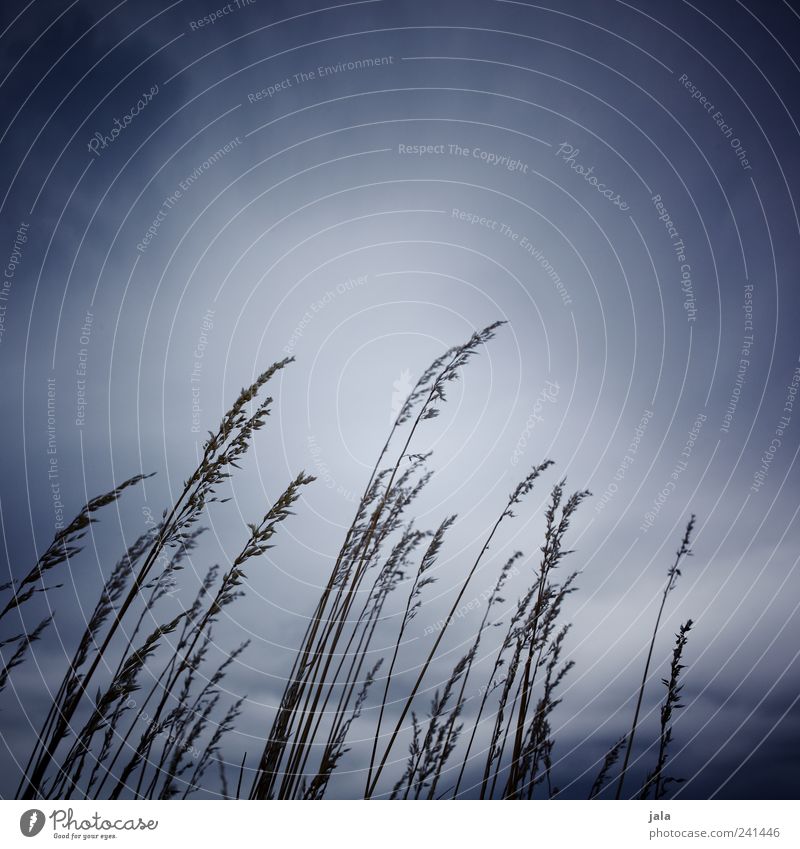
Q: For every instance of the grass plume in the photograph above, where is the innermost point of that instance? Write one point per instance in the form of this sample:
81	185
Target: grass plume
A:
141	710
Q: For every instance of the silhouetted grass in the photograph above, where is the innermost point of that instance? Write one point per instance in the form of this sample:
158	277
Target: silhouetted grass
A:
107	736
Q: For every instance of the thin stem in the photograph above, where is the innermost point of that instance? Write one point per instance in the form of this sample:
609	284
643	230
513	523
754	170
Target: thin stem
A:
672	577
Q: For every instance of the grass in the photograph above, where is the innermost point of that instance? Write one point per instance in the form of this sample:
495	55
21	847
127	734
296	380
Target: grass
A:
141	714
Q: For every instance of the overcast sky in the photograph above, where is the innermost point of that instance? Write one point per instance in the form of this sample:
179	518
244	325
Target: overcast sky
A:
361	185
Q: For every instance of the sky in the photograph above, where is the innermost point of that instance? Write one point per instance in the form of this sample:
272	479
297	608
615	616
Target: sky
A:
189	194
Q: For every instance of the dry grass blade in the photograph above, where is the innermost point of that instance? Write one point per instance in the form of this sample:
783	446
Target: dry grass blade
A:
656	780
672	576
23	642
552	554
257	544
521	490
336	749
64	545
169	741
412	605
611	757
325	630
222	450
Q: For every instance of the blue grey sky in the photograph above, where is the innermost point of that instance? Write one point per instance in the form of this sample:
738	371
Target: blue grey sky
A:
361	185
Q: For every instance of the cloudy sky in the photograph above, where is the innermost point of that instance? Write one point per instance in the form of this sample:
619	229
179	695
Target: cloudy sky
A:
187	197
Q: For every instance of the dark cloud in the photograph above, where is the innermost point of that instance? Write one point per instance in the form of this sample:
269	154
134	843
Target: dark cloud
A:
361	187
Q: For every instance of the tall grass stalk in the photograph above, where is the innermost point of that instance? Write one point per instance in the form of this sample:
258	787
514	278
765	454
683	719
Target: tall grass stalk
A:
656	779
106	734
221	451
672	576
522	489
